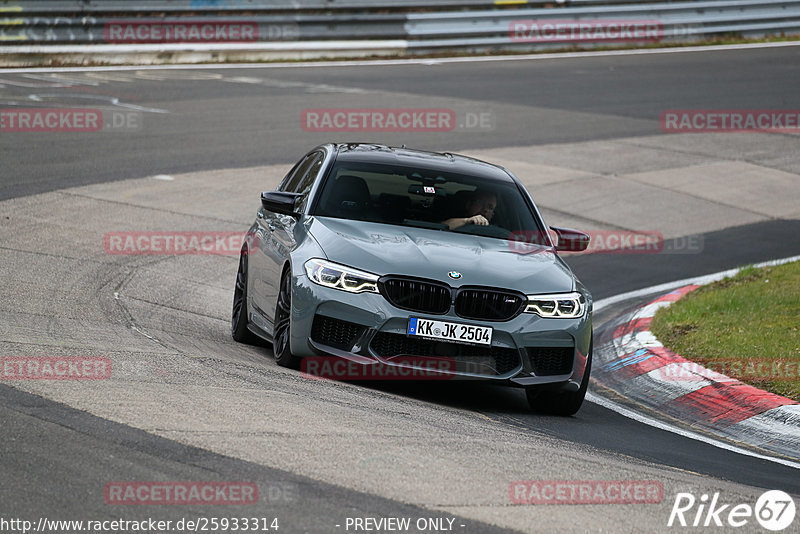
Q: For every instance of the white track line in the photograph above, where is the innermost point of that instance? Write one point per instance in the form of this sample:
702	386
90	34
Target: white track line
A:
408	61
625	412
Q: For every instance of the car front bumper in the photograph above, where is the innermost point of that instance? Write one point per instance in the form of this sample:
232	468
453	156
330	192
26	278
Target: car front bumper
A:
365	328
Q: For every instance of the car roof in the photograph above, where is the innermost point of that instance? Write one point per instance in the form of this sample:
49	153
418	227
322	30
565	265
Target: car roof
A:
436	161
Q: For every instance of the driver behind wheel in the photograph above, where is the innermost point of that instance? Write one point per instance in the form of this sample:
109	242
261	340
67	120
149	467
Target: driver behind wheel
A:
479	209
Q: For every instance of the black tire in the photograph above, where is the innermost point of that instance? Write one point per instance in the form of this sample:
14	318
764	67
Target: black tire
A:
564	403
239	314
283	325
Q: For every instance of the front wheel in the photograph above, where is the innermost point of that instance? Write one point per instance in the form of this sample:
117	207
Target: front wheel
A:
239	330
564	403
283	324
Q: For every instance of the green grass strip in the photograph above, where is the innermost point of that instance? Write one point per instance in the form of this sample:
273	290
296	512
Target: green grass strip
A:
746	326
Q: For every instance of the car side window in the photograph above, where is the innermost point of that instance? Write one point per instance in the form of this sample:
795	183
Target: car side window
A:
290	180
298	178
306	181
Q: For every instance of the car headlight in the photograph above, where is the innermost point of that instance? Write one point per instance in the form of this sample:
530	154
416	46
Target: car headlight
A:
329	274
560	305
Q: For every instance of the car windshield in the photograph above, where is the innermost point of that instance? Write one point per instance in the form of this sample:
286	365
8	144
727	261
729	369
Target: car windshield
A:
410	196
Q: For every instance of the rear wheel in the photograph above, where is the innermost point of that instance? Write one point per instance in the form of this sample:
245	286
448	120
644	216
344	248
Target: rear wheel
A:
561	402
239	330
283	325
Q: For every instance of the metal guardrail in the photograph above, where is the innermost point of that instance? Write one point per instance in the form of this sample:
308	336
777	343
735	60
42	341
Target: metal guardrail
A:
679	21
179	6
410	25
182	6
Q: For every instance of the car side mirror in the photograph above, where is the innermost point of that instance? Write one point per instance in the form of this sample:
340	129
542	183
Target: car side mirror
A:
280	202
570	240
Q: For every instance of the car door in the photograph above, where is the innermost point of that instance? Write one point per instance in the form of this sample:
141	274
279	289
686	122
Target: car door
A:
262	288
275	233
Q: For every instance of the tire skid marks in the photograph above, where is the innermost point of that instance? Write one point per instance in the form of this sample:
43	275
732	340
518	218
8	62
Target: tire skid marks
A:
198	75
86	82
111	100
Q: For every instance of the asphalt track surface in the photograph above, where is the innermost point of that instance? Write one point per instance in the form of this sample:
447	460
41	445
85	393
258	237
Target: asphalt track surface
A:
55	457
228	118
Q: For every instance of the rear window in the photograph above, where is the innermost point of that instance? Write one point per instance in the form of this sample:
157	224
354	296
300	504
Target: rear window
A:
408	196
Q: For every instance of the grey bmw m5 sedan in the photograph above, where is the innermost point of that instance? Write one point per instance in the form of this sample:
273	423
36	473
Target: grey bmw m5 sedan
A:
430	264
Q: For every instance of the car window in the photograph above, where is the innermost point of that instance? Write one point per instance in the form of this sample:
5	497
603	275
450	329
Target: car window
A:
292	182
289	175
307	177
410	196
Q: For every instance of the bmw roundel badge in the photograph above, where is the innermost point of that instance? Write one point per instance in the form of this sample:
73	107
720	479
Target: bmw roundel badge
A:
455	275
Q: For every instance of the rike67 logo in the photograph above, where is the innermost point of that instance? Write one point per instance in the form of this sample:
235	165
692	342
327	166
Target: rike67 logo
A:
774	510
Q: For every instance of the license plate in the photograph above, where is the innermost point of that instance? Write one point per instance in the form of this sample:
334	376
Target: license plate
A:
463	333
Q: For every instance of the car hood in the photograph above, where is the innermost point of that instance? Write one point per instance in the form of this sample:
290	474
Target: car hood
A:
387	249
